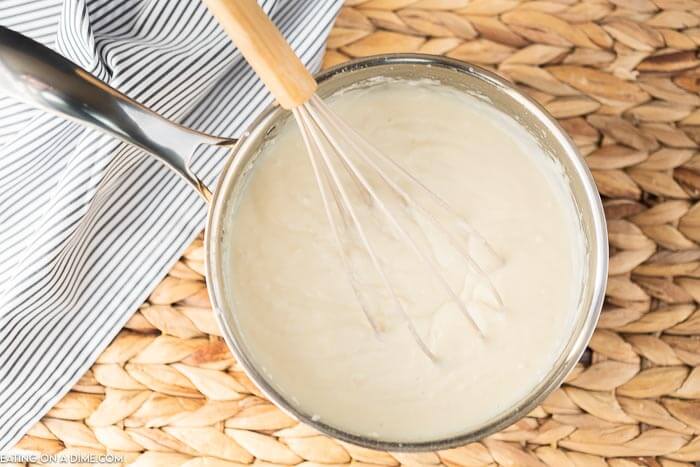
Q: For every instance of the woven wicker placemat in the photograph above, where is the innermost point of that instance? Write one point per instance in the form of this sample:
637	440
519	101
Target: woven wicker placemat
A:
623	78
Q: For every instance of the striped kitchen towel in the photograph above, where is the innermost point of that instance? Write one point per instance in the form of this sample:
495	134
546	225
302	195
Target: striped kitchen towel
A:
89	225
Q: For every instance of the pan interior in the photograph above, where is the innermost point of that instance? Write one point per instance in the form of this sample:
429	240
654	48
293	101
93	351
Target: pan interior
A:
237	182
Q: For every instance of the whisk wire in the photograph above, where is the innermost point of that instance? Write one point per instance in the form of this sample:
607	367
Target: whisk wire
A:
325	185
427	259
306	120
342	128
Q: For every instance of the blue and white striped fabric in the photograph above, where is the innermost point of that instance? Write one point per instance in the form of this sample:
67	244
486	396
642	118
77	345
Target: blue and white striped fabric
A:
89	225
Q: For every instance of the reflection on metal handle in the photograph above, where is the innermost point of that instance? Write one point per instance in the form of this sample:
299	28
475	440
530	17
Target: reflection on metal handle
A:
38	76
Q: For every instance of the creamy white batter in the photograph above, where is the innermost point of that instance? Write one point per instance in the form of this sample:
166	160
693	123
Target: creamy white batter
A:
301	322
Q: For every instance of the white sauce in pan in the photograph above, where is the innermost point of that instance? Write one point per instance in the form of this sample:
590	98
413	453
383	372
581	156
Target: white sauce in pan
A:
299	317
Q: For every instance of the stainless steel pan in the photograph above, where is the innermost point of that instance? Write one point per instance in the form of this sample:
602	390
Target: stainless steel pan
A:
39	76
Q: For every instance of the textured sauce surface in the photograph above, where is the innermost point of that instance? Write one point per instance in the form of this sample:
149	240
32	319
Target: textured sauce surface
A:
301	323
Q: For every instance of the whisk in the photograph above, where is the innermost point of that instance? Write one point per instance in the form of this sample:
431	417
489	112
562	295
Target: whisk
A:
358	183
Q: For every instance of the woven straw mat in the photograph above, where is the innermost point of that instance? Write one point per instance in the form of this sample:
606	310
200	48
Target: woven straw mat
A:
622	77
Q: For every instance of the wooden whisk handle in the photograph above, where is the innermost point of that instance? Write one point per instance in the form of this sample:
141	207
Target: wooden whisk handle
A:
265	49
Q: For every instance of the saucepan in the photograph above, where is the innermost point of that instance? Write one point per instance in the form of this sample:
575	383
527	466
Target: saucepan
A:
41	77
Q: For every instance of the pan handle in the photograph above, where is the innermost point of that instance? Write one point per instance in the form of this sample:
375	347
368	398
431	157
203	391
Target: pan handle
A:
38	76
